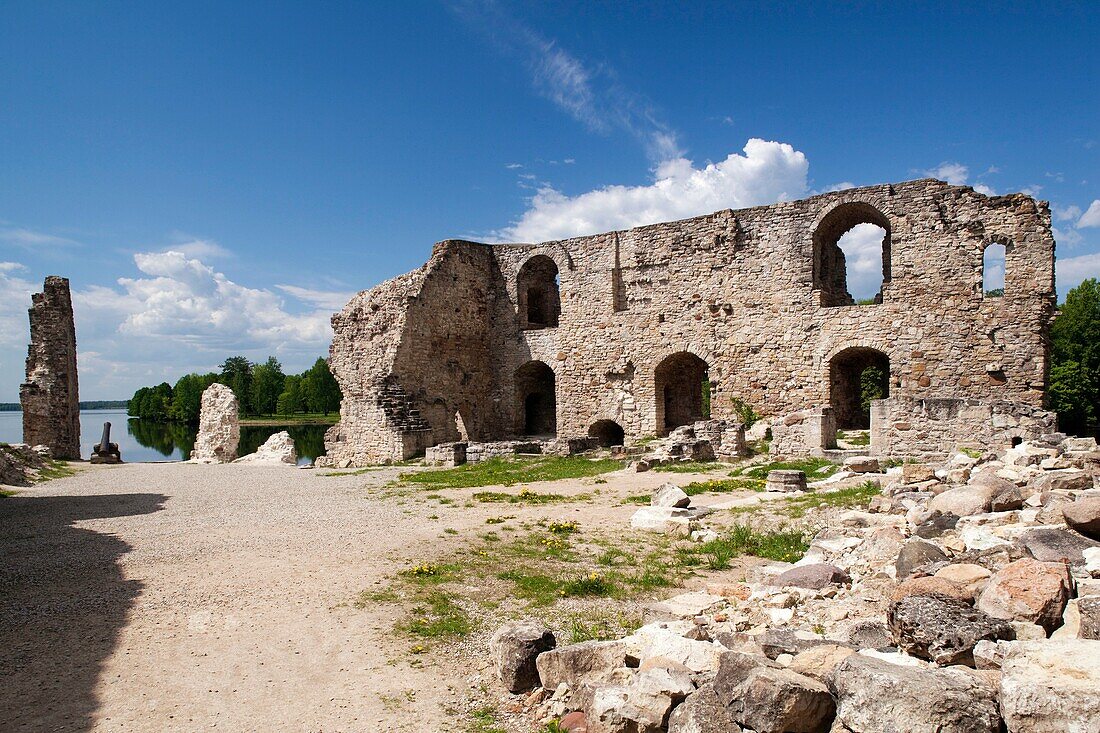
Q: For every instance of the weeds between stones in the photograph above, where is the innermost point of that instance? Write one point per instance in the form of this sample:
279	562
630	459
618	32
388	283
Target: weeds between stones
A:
502	472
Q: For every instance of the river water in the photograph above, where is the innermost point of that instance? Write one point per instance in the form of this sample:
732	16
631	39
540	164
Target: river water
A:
142	441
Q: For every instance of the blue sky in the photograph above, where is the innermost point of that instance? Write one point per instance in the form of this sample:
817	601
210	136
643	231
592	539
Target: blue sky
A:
216	178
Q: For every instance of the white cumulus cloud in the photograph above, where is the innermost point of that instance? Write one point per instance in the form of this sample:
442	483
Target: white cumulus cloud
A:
862	247
767	172
1070	271
1091	217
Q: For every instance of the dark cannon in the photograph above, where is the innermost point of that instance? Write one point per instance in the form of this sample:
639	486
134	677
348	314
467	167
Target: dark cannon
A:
105	451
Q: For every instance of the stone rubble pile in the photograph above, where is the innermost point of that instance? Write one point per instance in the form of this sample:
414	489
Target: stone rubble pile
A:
965	599
670	512
277	450
20	463
705	440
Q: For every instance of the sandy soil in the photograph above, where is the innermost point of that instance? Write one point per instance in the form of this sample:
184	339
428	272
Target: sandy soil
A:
174	597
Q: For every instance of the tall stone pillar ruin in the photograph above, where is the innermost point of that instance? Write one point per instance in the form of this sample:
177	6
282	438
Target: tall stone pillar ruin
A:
50	399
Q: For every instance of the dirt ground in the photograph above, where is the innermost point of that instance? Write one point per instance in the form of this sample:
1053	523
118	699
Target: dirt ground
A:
175	597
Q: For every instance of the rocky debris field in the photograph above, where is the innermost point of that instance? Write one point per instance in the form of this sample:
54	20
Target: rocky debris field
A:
23	465
964	598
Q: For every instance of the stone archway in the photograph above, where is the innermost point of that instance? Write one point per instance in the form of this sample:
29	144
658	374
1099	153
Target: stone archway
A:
680	382
857	375
536	400
607	432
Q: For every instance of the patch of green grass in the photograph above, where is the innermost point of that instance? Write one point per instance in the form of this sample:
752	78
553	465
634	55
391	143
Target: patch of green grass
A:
813	467
526	496
356	472
719	486
484	720
638	499
502	472
436	615
601	626
54	469
859	437
590	584
688	467
4	493
971	452
562	527
650	577
853	496
784	545
430	573
539	589
614	557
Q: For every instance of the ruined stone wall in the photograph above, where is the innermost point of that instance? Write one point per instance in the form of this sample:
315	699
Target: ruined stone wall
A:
50	396
749	292
937	427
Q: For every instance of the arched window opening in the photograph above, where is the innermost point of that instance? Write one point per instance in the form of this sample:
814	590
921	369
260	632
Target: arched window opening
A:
993	271
536	402
856	377
539	295
682	385
608	432
852	255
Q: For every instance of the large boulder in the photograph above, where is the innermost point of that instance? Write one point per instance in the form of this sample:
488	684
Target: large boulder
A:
963	501
1028	590
670	495
277	450
219	426
515	647
819	661
641	706
814	576
876	696
941	629
915	553
1051	686
768	698
589	661
1083	515
1056	544
669	520
702	712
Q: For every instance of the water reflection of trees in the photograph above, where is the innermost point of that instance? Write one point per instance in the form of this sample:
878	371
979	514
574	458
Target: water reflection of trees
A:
167	438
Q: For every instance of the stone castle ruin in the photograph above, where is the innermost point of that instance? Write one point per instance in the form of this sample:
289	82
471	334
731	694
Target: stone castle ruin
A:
627	334
49	397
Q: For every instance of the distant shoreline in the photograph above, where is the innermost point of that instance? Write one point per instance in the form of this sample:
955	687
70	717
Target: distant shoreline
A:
89	405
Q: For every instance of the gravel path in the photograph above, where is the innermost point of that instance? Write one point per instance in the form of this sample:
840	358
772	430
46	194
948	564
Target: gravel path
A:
173	597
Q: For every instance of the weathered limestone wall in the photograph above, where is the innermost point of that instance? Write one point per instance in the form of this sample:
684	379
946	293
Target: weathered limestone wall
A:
50	396
756	294
936	427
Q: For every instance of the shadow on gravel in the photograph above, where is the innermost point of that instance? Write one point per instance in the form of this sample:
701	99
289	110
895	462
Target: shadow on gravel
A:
63	601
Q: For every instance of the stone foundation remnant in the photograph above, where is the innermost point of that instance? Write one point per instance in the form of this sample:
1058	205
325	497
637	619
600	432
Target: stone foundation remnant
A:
49	397
219	426
631	334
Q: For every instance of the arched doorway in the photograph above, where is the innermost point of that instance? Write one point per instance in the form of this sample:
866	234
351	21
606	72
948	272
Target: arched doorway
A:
607	432
682	388
537	291
852	255
536	403
856	376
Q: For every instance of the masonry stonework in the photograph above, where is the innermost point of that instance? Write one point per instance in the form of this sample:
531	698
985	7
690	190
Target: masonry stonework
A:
618	330
49	397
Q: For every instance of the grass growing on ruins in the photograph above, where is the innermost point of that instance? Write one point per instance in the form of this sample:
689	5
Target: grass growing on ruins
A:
721	486
814	468
54	469
856	437
784	545
502	472
689	467
526	496
4	493
601	625
853	496
484	720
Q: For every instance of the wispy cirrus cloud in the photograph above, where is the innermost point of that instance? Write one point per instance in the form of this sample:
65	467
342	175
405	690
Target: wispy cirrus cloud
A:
590	93
31	239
